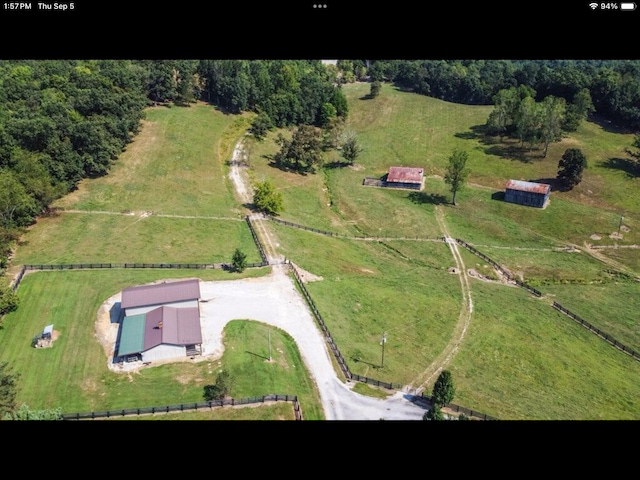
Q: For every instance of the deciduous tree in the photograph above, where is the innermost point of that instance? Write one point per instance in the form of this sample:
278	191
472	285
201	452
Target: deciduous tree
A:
220	389
457	172
570	167
8	389
266	198
9	300
351	148
25	413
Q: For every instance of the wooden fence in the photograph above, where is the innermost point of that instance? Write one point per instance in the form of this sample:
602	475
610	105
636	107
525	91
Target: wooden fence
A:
256	240
16	281
499	267
377	383
334	348
355	237
597	331
184	407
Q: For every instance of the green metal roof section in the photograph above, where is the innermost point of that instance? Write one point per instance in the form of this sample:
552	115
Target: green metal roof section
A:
131	335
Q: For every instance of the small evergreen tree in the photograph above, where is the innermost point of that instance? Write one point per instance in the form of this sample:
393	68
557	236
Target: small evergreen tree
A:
434	413
443	389
239	261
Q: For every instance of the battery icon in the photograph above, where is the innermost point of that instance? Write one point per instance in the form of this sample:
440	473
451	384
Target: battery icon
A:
627	6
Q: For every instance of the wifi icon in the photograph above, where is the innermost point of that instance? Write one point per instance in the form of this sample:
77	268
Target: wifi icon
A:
593	5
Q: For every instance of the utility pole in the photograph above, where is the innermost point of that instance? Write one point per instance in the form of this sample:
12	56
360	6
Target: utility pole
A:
620	224
382	342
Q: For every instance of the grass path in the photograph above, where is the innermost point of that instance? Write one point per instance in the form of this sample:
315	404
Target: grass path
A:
460	329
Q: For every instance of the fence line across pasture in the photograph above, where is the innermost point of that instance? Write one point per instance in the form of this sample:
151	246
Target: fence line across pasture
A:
327	233
600	333
605	336
185	407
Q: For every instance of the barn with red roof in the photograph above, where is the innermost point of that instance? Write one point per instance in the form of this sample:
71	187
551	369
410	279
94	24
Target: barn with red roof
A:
161	321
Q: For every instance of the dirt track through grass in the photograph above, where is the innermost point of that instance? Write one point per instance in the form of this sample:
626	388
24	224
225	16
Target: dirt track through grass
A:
464	318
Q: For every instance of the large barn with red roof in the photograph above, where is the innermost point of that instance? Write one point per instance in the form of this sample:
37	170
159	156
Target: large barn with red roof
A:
161	321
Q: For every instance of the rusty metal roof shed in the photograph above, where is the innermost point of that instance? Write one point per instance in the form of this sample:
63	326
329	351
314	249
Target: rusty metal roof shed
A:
158	293
405	174
532	187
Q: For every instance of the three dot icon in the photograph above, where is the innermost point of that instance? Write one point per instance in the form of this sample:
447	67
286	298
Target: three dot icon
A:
319	5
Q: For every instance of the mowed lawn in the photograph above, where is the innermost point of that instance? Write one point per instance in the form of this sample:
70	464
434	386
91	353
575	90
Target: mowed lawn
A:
100	238
73	373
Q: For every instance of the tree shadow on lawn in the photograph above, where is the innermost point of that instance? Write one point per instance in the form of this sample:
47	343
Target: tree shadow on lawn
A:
423	197
630	167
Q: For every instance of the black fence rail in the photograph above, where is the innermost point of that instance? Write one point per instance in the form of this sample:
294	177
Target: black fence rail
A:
342	235
334	348
184	407
605	336
16	281
457	408
499	267
87	266
377	383
256	240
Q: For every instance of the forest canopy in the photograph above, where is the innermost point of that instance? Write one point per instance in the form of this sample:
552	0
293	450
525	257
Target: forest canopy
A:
65	120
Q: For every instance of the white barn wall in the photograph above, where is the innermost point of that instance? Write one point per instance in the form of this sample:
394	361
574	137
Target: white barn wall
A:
163	352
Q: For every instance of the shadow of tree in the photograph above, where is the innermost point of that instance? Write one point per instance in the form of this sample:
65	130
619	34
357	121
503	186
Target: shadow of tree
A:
423	197
475	132
556	185
336	164
630	167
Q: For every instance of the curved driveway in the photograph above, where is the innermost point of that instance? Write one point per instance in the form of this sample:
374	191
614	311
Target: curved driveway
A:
274	299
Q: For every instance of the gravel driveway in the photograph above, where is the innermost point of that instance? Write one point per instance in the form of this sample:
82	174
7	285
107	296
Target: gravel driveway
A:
274	300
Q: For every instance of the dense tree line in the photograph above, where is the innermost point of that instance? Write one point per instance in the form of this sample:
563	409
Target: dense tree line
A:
65	120
614	85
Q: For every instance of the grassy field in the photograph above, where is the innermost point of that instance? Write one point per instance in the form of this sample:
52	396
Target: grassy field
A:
76	238
519	359
74	374
176	165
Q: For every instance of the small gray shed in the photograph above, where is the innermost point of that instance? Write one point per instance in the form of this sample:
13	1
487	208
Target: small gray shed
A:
531	194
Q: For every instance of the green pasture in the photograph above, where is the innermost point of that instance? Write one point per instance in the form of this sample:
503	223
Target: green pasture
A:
523	360
613	307
519	359
101	238
403	128
175	165
368	288
73	373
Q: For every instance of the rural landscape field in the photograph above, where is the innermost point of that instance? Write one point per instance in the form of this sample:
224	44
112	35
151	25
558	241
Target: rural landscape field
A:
385	271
